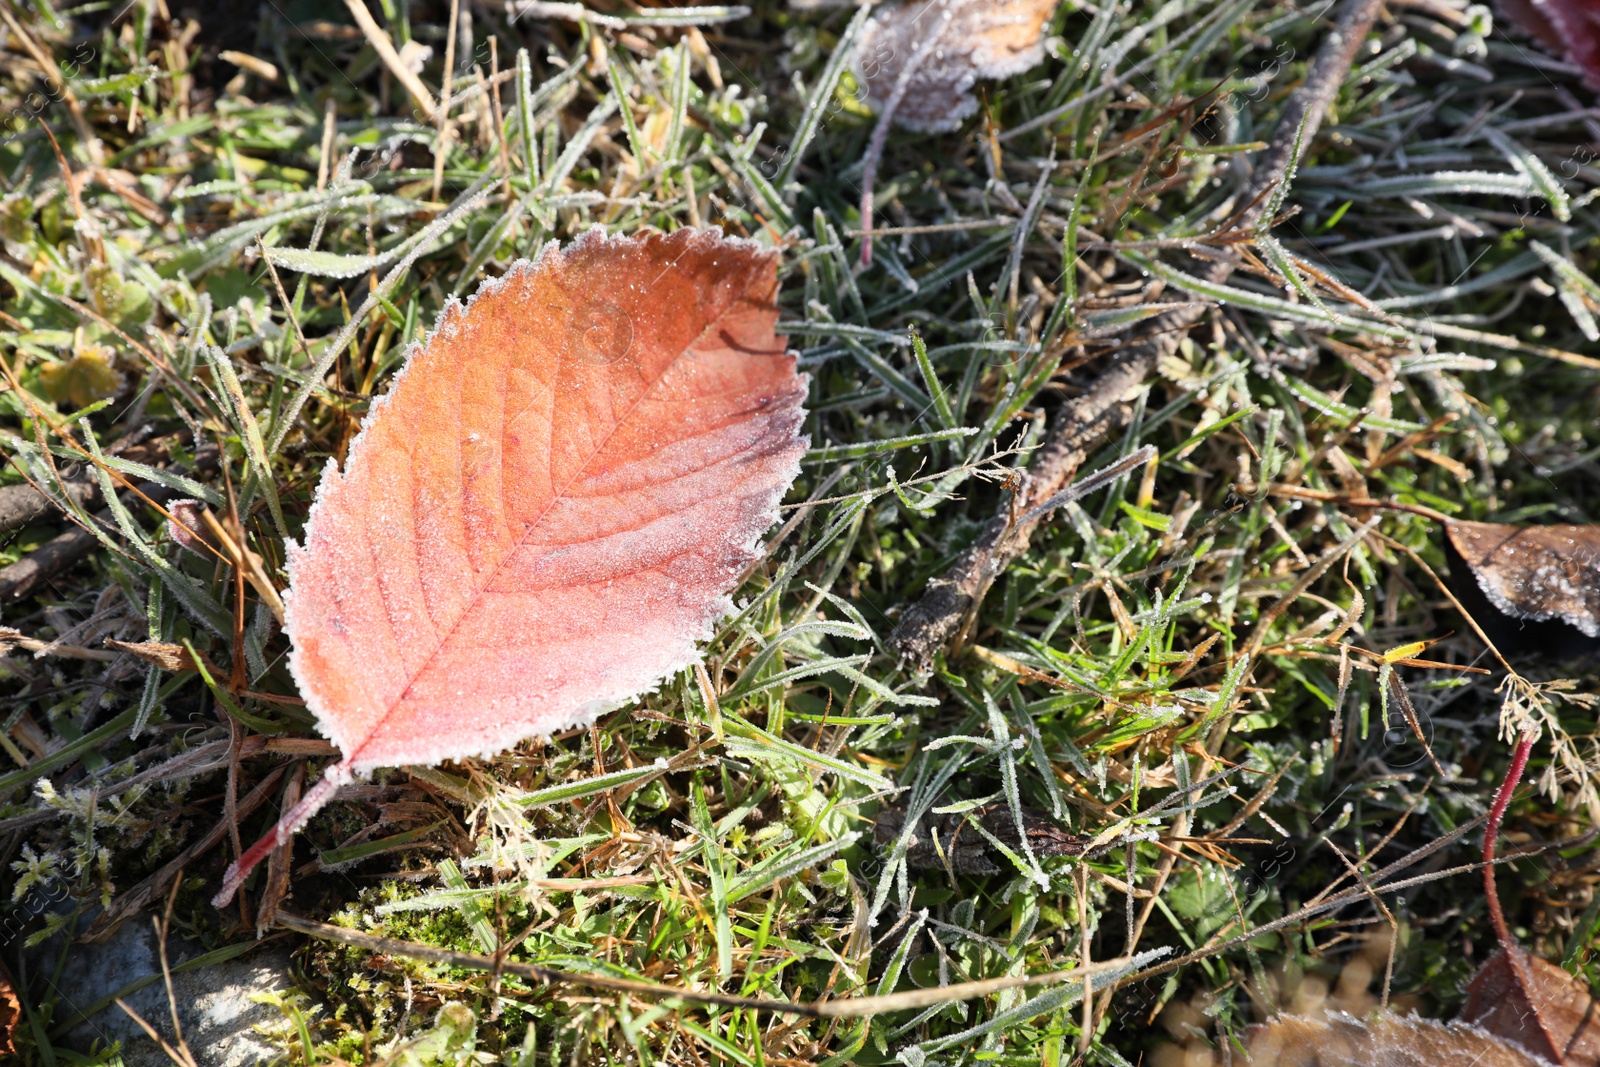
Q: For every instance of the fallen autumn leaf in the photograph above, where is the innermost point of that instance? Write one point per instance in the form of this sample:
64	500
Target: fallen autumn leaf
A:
1383	1040
920	60
1545	577
1567	27
548	509
1530	1001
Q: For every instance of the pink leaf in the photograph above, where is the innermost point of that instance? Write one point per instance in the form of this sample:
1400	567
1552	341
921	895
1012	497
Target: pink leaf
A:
549	508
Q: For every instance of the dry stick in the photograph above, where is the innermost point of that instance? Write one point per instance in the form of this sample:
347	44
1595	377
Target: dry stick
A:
953	599
140	895
89	235
499	117
853	1007
441	146
58	84
24	504
880	136
330	136
379	40
10	639
163	925
149	1030
56	555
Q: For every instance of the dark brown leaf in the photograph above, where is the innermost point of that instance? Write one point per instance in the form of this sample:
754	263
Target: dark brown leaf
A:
1569	28
1536	1004
1384	1040
1534	574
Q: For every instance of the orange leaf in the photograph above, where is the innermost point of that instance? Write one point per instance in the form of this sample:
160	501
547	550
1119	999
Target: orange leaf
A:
549	508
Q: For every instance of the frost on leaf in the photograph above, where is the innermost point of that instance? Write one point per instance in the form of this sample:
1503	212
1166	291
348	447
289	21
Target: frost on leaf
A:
549	508
1384	1040
920	60
1569	28
553	502
1522	998
1535	574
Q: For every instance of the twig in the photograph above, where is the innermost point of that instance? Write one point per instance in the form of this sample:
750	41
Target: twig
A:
119	909
951	600
151	1031
163	925
56	555
853	1007
24	504
381	44
10	638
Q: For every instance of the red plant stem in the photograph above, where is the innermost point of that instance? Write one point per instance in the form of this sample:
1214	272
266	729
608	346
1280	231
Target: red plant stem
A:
292	820
1502	800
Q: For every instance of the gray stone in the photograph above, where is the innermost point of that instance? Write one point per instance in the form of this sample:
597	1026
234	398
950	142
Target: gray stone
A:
214	1004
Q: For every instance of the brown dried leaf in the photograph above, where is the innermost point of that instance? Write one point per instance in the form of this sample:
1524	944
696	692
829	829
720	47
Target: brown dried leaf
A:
940	49
1525	999
160	654
1535	573
1384	1040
